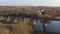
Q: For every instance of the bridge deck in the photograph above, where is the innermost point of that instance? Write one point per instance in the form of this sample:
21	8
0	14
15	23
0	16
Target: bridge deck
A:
29	16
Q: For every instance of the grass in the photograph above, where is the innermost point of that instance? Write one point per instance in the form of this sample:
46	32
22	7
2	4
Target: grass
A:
19	28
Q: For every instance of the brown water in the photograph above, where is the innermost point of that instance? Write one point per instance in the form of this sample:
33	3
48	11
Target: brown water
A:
54	26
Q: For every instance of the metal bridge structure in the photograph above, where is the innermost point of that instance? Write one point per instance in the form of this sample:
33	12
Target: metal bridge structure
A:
34	17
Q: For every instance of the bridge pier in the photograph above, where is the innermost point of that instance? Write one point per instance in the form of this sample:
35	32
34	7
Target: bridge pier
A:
15	19
45	23
8	18
33	21
45	27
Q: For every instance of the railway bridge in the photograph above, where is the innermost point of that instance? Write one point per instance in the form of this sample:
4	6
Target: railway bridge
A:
32	18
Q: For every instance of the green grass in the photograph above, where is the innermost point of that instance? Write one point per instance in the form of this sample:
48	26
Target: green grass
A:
4	21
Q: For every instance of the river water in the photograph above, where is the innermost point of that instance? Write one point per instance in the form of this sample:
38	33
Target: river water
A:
54	26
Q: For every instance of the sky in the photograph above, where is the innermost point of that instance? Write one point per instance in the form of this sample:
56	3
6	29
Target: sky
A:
29	2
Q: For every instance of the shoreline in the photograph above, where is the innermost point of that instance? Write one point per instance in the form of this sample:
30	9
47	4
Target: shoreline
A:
40	32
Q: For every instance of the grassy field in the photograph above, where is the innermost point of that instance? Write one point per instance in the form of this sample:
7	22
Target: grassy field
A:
21	27
50	11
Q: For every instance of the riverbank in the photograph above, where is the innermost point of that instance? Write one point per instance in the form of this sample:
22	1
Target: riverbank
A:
39	32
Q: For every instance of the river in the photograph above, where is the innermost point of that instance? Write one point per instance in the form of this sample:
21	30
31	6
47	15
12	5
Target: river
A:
54	26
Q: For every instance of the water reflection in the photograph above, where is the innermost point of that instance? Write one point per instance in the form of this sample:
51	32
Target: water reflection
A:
38	26
54	26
